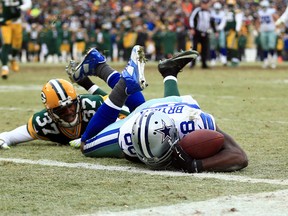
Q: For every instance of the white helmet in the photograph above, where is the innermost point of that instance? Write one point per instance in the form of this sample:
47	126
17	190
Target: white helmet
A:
264	3
153	136
217	6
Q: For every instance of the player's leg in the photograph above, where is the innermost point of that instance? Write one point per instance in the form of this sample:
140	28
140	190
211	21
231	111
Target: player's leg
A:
169	69
264	45
6	33
17	38
94	64
272	42
105	143
222	47
131	81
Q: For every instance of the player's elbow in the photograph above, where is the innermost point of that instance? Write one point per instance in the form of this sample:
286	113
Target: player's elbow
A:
240	160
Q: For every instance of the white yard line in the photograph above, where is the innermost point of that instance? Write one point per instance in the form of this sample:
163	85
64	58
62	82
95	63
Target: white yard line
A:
225	177
262	204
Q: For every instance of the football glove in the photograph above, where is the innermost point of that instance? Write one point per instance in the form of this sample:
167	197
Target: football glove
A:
4	145
181	160
75	143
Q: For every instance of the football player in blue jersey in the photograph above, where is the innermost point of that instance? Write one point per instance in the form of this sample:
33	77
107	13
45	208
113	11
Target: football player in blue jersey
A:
139	137
67	114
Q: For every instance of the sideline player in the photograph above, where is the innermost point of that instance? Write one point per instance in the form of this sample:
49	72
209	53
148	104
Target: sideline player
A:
11	31
268	37
151	132
66	114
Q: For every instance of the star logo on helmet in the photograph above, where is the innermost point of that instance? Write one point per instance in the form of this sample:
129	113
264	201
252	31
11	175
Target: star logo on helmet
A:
165	131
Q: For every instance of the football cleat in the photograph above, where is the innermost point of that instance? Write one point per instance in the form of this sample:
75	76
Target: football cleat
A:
134	71
86	67
14	66
174	65
4	73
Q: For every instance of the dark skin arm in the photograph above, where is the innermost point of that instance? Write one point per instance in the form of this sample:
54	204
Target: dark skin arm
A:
230	158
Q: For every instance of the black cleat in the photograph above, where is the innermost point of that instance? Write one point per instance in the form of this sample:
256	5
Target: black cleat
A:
172	66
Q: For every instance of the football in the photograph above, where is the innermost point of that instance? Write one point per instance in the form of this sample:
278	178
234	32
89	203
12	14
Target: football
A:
202	143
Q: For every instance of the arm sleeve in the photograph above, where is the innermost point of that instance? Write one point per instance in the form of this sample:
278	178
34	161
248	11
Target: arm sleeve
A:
16	136
193	18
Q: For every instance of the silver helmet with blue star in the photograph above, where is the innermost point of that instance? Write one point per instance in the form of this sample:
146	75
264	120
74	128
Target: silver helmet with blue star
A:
153	135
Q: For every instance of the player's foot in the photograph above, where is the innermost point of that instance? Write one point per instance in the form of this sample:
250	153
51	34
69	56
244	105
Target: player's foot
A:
4	73
14	66
86	67
134	71
174	65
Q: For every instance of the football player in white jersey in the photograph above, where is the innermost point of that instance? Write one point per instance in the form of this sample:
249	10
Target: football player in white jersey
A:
268	37
174	117
218	44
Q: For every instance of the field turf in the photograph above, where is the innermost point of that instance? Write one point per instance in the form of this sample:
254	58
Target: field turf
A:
43	178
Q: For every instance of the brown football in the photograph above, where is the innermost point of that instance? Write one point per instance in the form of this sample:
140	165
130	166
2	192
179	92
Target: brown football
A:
202	143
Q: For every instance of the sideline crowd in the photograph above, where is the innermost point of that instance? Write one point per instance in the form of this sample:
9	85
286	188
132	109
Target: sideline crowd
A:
58	30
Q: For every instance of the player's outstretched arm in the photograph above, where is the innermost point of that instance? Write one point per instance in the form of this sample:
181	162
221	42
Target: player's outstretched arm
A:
230	158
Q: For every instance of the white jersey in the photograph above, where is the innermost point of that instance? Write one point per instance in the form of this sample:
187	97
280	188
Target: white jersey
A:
219	18
266	19
184	110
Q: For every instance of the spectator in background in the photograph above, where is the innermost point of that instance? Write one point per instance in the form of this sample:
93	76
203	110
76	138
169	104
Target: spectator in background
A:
53	43
66	43
182	35
234	19
200	23
80	37
268	37
33	43
169	41
157	39
218	44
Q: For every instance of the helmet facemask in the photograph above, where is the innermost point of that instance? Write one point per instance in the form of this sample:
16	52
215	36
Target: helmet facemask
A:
66	115
153	136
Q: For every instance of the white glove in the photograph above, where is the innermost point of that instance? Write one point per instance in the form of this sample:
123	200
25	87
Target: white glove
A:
75	143
4	145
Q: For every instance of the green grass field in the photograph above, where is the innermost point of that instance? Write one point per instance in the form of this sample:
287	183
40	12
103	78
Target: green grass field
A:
43	178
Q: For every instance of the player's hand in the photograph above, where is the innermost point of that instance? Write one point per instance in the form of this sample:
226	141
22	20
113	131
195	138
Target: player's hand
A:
4	145
181	160
75	143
